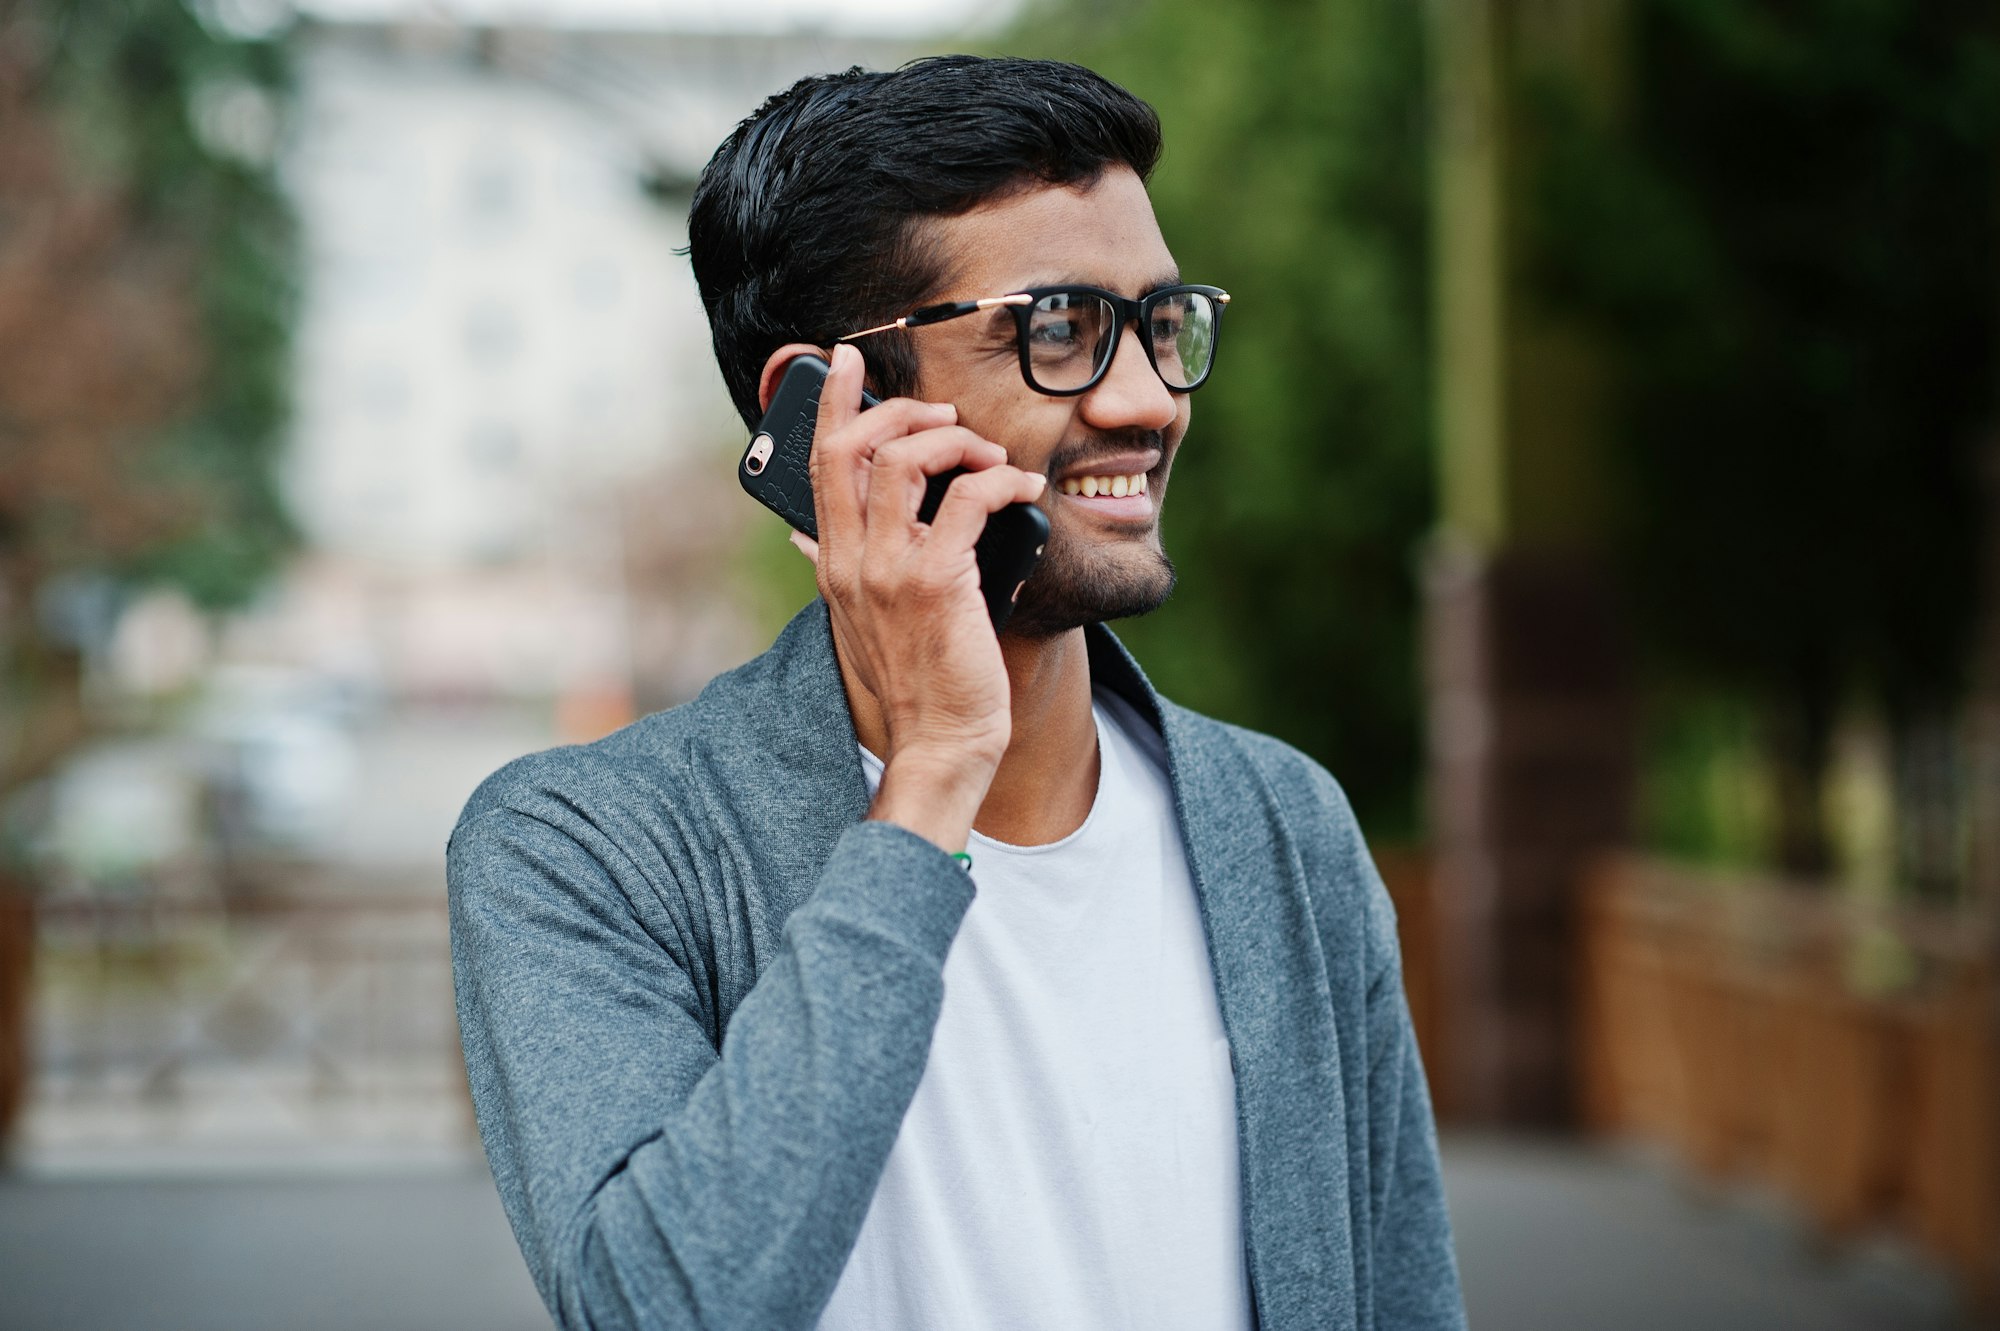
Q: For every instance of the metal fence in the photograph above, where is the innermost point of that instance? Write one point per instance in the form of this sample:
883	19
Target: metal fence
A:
264	1028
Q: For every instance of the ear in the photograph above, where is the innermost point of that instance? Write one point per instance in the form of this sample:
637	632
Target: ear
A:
774	368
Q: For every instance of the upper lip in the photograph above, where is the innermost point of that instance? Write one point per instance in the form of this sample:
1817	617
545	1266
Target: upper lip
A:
1116	464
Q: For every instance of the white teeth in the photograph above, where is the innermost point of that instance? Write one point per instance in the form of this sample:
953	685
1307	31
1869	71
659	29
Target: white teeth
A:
1090	487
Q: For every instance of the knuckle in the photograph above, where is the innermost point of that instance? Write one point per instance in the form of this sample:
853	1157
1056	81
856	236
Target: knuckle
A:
873	580
926	576
893	456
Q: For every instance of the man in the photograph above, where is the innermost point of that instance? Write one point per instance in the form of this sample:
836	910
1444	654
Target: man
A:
749	1047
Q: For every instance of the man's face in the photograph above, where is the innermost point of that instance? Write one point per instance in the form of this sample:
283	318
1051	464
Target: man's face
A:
1104	558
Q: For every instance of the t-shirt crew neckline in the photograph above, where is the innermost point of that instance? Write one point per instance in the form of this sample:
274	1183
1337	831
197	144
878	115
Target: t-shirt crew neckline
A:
979	839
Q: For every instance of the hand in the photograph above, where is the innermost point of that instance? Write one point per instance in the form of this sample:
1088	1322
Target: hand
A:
908	617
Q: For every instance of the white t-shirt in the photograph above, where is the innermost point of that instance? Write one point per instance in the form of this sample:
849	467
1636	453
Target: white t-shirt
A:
1070	1157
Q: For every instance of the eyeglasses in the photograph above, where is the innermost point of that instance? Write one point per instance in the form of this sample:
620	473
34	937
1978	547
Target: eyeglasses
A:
1067	336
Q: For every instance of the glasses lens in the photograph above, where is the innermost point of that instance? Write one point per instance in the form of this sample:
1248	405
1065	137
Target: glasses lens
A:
1182	327
1069	334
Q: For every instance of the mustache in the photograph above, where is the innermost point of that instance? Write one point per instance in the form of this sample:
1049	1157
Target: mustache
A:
1074	453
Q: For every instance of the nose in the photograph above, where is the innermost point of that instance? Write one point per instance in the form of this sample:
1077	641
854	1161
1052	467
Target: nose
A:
1131	393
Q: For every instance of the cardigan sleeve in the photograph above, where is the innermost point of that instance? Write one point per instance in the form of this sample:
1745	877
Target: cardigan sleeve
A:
652	1178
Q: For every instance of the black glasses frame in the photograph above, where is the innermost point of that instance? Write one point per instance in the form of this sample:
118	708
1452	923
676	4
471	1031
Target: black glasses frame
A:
1022	303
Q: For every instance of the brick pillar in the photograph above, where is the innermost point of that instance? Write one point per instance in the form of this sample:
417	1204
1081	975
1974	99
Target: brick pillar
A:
1530	779
1528	706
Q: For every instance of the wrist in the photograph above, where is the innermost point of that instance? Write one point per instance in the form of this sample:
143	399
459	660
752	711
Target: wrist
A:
935	796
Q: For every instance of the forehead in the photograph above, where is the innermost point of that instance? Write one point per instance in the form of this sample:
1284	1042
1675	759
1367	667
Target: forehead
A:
1104	234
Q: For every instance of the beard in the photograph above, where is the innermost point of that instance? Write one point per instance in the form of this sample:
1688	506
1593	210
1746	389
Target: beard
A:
1081	582
1075	585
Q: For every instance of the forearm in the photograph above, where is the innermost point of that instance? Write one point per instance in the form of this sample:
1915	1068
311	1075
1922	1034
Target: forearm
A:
736	1204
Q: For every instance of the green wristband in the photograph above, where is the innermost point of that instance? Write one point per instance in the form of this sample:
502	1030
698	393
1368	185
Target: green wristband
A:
964	860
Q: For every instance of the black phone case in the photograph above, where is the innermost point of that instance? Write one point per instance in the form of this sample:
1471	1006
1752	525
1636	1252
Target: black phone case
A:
1007	551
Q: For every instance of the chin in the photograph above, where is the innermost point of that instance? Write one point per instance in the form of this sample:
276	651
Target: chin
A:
1070	590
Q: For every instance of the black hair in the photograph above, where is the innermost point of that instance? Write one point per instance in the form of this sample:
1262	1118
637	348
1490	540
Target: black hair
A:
806	224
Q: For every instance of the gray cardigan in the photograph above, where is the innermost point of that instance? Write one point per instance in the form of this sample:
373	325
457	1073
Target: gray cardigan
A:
697	992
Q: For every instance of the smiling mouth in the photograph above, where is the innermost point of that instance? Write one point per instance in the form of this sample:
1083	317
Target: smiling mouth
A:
1110	487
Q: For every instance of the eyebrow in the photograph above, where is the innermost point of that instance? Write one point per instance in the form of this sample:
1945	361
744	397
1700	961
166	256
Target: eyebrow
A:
1172	278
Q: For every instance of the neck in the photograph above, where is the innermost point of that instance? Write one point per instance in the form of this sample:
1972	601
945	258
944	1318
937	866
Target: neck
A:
1047	780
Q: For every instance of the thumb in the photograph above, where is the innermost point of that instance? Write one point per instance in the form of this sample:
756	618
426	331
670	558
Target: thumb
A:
840	395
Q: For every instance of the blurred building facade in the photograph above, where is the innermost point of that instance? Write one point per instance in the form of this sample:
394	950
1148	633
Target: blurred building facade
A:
502	356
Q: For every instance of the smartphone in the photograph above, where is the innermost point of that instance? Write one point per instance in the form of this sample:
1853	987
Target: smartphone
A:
775	472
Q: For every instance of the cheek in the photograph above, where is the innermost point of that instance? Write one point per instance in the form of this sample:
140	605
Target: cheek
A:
1028	426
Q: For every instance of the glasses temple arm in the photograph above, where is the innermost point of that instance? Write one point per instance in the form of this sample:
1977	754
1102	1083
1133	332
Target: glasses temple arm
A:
869	332
937	314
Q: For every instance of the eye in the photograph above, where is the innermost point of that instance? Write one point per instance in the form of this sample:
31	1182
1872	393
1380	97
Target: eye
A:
1055	332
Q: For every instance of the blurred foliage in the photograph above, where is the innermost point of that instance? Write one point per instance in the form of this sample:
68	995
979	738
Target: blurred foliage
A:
173	122
1789	237
146	261
1705	793
1295	176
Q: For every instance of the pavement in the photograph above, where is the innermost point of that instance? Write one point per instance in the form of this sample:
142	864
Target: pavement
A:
1558	1235
1550	1235
428	1251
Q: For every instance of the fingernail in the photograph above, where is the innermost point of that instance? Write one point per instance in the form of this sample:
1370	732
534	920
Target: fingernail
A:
1041	486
